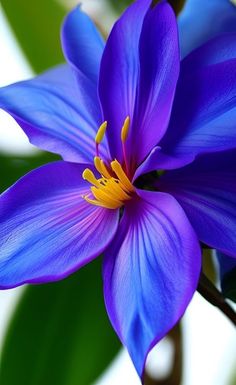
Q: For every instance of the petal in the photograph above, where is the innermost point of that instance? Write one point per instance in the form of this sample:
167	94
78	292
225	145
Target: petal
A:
119	72
206	190
55	113
150	272
138	77
82	43
218	50
202	20
158	160
204	111
170	154
47	230
159	71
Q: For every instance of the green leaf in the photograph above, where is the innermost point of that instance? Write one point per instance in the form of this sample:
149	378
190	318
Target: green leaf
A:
177	5
60	333
13	167
228	285
233	381
36	25
122	4
208	265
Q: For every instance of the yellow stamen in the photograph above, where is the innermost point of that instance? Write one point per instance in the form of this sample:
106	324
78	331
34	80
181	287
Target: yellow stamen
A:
107	205
108	191
101	132
116	167
105	196
90	177
100	166
117	189
114	188
125	129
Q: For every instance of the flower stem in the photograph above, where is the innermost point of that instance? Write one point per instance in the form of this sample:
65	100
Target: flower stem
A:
214	296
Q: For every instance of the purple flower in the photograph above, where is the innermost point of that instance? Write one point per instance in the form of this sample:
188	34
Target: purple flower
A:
153	115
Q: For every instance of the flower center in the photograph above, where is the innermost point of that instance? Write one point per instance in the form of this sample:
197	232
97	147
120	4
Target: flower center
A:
114	188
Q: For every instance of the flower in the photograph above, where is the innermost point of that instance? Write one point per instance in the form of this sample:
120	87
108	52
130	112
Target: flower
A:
147	115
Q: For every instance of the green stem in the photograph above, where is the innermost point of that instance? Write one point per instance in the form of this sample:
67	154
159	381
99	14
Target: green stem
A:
215	297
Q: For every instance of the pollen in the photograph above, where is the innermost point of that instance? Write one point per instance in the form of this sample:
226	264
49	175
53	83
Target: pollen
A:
113	188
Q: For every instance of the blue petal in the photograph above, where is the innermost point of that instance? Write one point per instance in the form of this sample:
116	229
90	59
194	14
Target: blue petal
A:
82	43
206	190
158	160
204	109
120	71
139	72
217	50
202	20
159	71
56	114
151	271
47	230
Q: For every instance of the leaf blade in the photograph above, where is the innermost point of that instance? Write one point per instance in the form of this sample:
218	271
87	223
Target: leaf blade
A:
36	25
60	333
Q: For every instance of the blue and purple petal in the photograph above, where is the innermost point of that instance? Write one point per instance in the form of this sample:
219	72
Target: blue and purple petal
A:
139	72
82	44
47	229
206	190
56	114
150	272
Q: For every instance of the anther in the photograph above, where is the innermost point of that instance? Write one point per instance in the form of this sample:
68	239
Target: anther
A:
90	177
116	167
101	132
125	129
100	166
